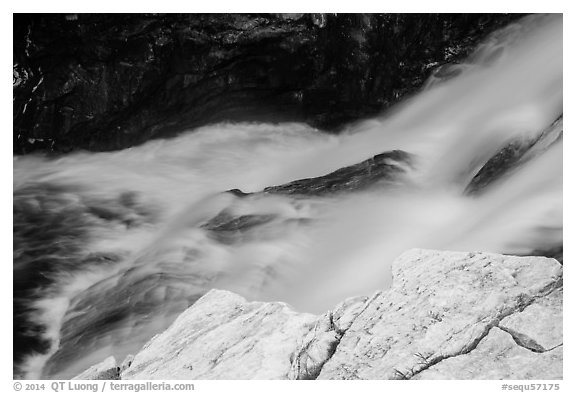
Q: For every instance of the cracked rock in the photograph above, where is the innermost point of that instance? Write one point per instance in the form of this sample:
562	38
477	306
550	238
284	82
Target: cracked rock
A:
539	326
448	315
320	343
441	304
318	346
498	357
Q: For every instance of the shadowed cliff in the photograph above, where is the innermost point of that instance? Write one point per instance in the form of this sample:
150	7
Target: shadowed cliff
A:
106	82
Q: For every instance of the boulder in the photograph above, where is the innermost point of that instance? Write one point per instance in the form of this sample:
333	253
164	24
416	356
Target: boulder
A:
448	315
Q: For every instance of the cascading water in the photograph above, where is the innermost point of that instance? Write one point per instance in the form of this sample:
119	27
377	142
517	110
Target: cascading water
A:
110	247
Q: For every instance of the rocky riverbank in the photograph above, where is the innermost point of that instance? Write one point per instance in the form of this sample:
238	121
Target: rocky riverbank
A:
448	315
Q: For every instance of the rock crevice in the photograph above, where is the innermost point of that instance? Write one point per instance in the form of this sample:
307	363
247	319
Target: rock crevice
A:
519	338
448	315
527	342
321	343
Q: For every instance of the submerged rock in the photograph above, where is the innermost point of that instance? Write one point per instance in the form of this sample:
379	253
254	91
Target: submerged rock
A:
52	224
382	170
514	155
448	315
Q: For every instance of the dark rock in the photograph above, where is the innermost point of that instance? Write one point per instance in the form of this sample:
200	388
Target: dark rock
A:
225	222
508	160
228	228
513	155
105	82
382	168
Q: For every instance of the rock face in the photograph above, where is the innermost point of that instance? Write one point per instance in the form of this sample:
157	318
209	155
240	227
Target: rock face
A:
448	315
104	82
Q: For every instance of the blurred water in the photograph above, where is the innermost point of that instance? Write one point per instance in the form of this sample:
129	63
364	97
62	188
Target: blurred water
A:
138	254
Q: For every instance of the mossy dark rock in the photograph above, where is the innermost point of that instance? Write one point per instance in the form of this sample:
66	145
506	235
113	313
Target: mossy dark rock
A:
104	82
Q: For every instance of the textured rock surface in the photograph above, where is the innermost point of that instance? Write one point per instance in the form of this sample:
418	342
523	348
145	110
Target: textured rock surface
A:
498	357
448	315
382	168
224	337
539	326
441	305
102	82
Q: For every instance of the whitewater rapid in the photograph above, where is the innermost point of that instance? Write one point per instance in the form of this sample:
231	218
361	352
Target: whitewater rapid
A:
136	252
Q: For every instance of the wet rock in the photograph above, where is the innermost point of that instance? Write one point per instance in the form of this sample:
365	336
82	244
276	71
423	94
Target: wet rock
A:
228	225
513	156
382	168
105	82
